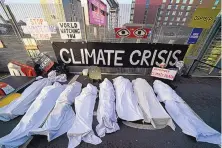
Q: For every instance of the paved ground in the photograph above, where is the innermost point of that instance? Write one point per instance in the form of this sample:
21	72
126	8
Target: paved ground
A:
203	96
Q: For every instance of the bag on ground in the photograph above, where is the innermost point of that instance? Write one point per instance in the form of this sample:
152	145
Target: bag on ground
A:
127	107
82	126
190	123
106	112
34	117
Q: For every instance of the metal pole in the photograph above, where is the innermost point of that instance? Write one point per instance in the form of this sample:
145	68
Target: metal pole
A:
84	24
11	19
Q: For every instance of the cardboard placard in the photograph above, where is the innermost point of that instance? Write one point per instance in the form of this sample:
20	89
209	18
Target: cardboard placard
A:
69	30
163	73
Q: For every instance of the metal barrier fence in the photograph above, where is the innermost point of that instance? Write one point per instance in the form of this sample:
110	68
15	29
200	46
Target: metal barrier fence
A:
15	16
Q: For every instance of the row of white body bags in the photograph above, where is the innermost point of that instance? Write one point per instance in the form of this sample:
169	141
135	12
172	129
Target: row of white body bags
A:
184	116
62	117
127	107
21	104
153	111
106	112
34	117
82	126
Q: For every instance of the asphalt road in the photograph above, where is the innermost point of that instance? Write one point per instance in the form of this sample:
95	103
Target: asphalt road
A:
203	95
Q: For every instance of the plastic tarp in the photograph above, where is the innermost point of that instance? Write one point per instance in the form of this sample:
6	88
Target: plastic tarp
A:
106	112
190	123
127	106
82	126
153	111
34	117
61	118
21	104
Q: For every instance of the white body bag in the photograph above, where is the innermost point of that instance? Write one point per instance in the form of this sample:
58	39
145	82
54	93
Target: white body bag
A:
21	104
82	126
106	112
153	111
34	117
184	116
61	118
127	107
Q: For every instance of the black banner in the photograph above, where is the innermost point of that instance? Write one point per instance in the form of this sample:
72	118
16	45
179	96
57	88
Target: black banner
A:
118	54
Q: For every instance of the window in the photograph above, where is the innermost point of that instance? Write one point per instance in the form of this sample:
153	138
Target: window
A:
189	7
184	19
168	13
178	19
164	1
176	7
201	1
191	2
170	23
171	1
216	2
164	23
182	24
166	18
187	13
172	19
174	13
177	1
162	6
184	1
177	24
180	13
182	7
161	12
169	6
158	23
159	18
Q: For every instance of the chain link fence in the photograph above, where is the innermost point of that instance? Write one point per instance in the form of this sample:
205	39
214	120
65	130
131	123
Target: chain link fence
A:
161	30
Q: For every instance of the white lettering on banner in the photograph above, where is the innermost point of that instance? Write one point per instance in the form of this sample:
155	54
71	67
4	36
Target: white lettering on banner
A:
73	59
101	57
131	57
109	55
115	57
61	55
163	73
69	30
161	58
175	57
145	57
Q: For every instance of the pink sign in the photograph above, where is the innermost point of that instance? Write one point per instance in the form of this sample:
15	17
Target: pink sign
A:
97	12
163	73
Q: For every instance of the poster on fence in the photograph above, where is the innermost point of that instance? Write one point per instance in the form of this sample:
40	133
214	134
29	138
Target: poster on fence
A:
141	55
69	30
38	28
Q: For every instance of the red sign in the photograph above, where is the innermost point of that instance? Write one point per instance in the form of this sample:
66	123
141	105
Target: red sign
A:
132	32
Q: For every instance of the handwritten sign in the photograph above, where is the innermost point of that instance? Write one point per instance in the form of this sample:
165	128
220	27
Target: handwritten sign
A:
163	73
69	30
38	28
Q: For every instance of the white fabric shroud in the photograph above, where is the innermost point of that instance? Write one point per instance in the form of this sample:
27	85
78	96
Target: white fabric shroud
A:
82	126
184	116
153	111
62	117
106	112
127	106
21	104
34	117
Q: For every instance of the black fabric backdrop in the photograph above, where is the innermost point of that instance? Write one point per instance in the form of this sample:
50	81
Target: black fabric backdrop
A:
128	54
